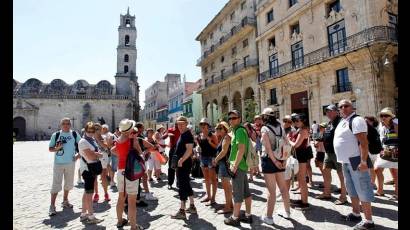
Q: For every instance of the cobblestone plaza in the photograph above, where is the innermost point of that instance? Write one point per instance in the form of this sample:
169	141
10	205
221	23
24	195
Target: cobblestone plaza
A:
32	177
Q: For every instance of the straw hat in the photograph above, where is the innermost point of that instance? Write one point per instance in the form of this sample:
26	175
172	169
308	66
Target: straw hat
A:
388	111
126	125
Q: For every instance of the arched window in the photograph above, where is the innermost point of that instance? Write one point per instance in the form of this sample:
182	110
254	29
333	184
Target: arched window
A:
126	57
125	69
127	23
127	40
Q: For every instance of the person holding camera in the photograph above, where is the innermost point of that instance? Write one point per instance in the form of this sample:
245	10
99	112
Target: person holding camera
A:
63	144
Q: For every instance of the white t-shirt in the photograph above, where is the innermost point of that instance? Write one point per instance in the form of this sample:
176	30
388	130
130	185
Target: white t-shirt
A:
83	145
345	142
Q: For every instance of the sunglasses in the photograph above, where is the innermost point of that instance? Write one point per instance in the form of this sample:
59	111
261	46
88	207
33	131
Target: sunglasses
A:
288	122
219	128
344	106
233	118
66	123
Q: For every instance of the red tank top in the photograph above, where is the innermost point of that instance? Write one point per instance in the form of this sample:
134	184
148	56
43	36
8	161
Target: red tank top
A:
122	152
294	136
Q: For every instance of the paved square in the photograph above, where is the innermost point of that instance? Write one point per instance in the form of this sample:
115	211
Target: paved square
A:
32	176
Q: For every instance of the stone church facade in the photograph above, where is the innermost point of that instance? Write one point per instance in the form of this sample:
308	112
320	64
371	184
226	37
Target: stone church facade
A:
38	107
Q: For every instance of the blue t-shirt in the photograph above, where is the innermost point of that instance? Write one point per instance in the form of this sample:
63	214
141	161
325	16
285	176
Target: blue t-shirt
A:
67	153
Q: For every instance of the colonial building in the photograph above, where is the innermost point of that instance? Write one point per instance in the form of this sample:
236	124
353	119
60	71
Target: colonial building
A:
229	60
38	107
316	52
192	104
155	98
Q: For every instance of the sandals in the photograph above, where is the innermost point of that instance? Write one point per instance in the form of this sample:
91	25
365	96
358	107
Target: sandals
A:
123	223
205	200
379	194
323	197
210	203
340	202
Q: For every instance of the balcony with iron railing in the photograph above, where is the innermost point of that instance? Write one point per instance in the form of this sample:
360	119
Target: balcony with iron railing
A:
228	73
246	21
351	43
346	87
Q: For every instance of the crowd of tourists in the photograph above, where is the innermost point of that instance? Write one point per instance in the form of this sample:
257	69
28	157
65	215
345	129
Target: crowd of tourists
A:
279	151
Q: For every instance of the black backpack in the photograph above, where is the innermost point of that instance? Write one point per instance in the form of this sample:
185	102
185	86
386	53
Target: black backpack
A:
74	133
373	137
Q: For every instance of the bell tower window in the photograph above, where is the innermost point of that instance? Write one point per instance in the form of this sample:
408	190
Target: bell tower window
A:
125	69
126	58
127	40
127	23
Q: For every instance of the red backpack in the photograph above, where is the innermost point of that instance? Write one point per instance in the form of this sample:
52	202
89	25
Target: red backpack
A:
135	165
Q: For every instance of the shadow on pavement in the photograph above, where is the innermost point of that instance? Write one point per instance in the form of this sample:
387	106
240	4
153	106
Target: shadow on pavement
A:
322	214
386	213
101	207
194	222
60	220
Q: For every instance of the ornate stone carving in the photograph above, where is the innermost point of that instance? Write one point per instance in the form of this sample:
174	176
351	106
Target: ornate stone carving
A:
336	16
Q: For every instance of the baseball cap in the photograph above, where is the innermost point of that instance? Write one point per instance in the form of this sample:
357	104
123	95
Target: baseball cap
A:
331	107
236	112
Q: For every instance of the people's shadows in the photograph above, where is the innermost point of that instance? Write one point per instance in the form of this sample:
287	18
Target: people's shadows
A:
159	184
254	191
258	198
260	184
61	219
101	207
385	213
114	189
152	205
194	222
319	214
94	226
79	185
195	184
384	201
146	219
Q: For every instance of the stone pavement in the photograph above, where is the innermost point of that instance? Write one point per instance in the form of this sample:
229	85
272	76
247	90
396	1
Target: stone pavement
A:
32	176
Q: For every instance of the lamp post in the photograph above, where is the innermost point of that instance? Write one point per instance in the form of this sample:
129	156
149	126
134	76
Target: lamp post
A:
73	121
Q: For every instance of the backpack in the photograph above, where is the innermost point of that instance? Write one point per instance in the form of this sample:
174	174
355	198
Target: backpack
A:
74	133
373	138
252	158
135	165
281	148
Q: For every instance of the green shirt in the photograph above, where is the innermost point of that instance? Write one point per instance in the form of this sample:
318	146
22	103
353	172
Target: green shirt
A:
239	136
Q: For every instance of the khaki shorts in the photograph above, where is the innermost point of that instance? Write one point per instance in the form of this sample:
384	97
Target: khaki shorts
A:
131	187
330	162
60	171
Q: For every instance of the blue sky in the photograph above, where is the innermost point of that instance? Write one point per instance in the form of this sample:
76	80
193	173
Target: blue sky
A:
76	39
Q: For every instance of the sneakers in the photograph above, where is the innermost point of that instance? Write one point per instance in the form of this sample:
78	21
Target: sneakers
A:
106	197
52	211
231	221
96	197
66	204
351	217
112	184
364	225
246	219
91	219
149	196
191	209
180	215
267	220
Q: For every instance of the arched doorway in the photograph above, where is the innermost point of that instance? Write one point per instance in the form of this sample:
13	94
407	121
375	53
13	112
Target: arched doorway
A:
236	101
19	128
215	112
225	107
250	105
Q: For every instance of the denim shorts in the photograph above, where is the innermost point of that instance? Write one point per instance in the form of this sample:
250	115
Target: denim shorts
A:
358	184
222	172
114	163
206	162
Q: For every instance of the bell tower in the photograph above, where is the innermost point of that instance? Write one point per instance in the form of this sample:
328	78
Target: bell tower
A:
126	80
125	77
